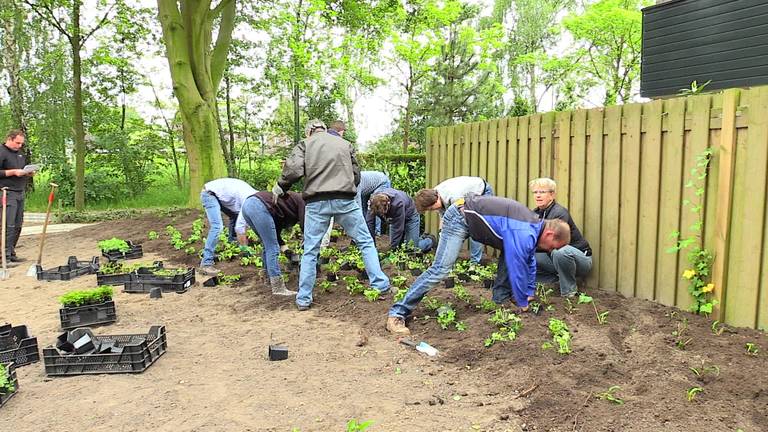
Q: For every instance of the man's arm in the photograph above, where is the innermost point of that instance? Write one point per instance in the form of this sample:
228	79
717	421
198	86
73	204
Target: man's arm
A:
240	227
293	169
521	267
370	220
397	224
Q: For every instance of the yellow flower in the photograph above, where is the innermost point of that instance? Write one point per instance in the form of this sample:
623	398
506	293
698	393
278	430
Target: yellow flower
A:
708	288
689	274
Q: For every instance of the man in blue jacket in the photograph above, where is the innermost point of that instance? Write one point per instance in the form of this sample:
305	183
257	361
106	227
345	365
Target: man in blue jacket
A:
398	209
501	223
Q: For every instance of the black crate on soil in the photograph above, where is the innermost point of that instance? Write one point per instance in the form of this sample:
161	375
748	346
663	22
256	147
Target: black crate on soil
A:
73	269
134	252
113	354
17	346
144	280
81	316
10	369
122	278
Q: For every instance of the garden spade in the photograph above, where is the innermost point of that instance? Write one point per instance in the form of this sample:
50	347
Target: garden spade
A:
4	273
32	272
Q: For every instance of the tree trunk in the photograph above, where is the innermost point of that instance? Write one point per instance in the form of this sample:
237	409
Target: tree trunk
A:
79	128
13	68
232	165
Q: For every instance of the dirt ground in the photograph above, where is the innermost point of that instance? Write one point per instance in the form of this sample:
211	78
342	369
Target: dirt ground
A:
216	376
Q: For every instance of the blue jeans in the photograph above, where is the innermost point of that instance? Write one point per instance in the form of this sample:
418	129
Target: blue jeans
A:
455	231
346	212
213	213
260	220
412	229
476	248
563	265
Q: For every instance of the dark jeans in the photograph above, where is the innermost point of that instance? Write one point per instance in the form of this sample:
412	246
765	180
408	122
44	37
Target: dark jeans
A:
14	221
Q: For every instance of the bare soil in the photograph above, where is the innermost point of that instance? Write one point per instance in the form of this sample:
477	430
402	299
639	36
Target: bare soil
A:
343	364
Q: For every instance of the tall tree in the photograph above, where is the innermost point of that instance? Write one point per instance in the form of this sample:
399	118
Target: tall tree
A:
13	20
197	63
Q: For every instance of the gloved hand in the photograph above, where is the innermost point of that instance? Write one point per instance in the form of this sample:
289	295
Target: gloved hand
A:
277	191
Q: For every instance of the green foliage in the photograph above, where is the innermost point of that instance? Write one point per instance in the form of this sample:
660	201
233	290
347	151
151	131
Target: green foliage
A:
610	395
752	348
694	89
326	286
692	392
356	426
86	297
560	335
407	172
226	279
446	315
6	386
354	286
487	305
114	245
508	325
400	294
431	303
372	294
153	235
461	293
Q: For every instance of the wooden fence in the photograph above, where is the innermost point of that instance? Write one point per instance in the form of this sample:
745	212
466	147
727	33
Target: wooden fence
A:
622	171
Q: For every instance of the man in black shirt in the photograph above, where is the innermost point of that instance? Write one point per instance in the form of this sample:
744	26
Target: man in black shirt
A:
572	261
14	177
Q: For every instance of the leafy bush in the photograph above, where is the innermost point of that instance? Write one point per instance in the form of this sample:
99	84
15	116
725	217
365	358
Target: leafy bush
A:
114	245
408	172
6	386
86	297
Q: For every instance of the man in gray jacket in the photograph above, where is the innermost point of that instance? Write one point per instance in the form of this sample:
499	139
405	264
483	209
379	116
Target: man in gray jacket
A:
331	175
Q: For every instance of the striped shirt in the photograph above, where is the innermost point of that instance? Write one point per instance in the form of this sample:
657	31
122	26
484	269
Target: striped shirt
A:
370	181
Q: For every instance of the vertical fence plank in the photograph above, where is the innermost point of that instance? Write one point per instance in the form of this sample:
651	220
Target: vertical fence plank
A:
474	162
500	186
534	154
747	243
453	135
511	164
609	237
443	152
493	147
758	138
668	275
482	169
522	160
695	144
594	191
648	234
578	157
431	159
466	144
630	194
562	157
547	168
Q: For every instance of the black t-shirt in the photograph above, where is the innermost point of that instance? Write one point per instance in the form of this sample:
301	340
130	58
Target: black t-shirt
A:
9	160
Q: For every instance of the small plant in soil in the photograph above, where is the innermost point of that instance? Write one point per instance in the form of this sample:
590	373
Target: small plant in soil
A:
152	235
752	348
176	239
543	293
86	297
535	307
354	286
610	395
508	325
372	294
356	426
681	333
692	392
254	260
446	316
461	326
285	277
399	281
328	253
569	307
461	293
6	386
704	370
114	245
400	294
169	272
190	250
228	279
431	303
225	249
487	305
560	335
416	266
326	286
717	328
197	231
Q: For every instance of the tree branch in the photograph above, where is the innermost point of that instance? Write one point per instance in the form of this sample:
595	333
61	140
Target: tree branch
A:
220	7
223	42
101	23
49	19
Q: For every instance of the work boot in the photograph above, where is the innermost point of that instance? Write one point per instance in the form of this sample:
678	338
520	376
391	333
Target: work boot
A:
278	286
208	270
397	326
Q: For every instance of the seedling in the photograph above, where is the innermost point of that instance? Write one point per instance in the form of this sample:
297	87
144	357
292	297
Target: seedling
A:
6	386
176	240
355	426
543	293
399	281
752	348
461	293
372	294
602	317
535	307
704	370
717	328
169	272
569	307
228	279
328	252
325	286
680	334
584	299
692	392
431	303
487	305
446	316
560	335
285	277
400	294
610	395
114	245
86	297
153	235
461	326
354	286
508	324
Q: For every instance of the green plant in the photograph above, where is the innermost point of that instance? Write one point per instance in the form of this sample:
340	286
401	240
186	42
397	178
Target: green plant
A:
228	279
328	252
717	328
325	286
332	267
355	426
752	348
197	231
584	299
400	294
372	294
560	335
602	317
543	292
399	281
681	341
354	286
6	386
461	293
114	245
431	303
569	307
446	316
176	239
703	370
487	305
610	395
700	259
153	235
692	392
169	272
694	89
461	326
508	325
86	297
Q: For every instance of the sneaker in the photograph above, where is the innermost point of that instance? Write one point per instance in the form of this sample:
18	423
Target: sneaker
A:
397	326
208	270
15	259
302	308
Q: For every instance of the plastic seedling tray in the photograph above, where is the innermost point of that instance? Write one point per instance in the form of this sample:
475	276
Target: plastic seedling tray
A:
134	252
144	280
81	316
73	269
17	346
11	375
122	278
110	354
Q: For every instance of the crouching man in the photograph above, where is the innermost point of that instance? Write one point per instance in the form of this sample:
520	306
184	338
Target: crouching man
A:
501	223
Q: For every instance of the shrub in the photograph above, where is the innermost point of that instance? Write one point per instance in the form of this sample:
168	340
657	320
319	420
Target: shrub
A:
86	297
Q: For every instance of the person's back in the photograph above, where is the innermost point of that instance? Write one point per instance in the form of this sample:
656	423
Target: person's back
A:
327	163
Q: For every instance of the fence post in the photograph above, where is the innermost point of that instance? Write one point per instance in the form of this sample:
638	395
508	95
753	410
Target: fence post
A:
724	197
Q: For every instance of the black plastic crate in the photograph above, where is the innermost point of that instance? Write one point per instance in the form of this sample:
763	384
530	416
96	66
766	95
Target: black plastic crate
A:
81	316
73	269
17	346
122	278
134	252
144	280
11	373
128	354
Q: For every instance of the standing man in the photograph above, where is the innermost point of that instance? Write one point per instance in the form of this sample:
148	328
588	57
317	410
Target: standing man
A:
569	262
221	195
397	208
331	175
501	223
15	178
446	193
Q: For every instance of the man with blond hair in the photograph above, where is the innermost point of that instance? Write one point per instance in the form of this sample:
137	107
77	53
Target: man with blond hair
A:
570	262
